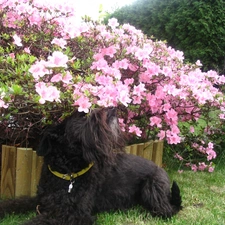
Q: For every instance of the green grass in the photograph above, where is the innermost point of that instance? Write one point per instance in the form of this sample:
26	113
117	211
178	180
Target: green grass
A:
16	219
203	200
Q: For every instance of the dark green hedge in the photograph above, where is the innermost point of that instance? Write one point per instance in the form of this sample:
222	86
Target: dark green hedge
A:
196	27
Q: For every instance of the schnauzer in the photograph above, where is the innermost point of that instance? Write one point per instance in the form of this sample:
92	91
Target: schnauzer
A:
86	171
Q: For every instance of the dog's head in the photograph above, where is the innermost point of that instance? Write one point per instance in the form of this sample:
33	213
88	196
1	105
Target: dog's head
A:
94	137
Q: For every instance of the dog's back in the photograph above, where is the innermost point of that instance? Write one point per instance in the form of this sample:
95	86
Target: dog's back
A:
133	181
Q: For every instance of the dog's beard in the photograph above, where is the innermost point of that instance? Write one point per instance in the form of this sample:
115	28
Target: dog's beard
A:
115	128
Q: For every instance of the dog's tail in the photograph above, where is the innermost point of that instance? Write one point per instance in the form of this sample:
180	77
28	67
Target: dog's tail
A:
17	206
175	198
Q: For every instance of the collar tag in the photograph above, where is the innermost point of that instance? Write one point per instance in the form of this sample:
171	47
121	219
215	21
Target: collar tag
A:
70	186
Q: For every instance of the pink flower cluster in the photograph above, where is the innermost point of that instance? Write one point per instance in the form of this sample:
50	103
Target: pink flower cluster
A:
211	154
201	167
36	12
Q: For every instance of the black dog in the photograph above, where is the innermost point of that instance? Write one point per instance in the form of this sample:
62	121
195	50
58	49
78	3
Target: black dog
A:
84	173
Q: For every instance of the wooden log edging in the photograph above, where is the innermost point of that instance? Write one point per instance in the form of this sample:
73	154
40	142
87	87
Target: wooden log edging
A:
152	150
20	171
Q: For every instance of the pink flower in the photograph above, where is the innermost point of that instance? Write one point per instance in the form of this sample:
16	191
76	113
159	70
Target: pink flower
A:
156	121
39	69
122	124
128	81
166	107
194	167
121	64
110	51
142	54
35	19
175	129
104	80
171	116
83	103
133	67
198	63
211	154
113	23
137	99
211	169
100	64
27	50
192	129
17	40
123	93
161	135
139	89
47	93
151	100
67	78
172	137
112	72
56	78
2	104
210	145
202	166
135	130
222	116
177	156
58	59
60	42
12	55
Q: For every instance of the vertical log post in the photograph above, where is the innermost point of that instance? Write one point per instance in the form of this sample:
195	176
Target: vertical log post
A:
157	153
152	150
8	171
37	162
140	149
148	149
23	171
127	149
133	149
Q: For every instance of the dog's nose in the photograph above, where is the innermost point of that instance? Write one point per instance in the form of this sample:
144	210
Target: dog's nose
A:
111	112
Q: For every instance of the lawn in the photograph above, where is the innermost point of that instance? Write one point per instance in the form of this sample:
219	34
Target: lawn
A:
203	201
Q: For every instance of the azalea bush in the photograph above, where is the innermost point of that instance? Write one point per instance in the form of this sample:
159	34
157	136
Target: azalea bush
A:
50	65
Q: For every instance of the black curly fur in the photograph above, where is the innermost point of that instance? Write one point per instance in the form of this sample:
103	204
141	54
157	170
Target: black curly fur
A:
116	180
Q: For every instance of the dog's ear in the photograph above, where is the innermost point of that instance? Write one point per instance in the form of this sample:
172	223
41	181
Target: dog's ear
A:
45	146
53	136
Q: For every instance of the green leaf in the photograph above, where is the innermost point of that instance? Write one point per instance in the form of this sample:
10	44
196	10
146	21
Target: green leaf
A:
16	89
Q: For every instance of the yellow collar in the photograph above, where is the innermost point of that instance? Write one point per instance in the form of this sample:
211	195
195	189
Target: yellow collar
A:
72	175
